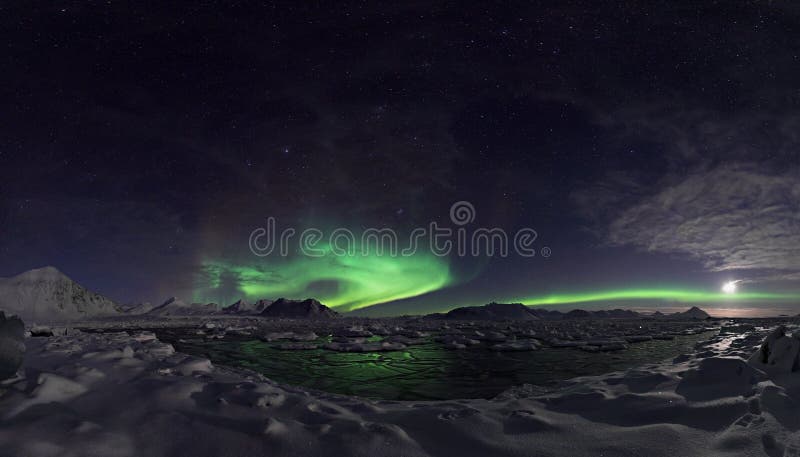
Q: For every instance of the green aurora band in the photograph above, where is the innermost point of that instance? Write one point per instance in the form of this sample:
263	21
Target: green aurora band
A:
679	295
358	280
343	282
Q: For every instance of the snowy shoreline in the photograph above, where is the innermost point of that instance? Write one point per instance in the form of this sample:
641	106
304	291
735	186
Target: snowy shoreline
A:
117	394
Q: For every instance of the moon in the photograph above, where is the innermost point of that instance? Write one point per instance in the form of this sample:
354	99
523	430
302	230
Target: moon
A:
729	287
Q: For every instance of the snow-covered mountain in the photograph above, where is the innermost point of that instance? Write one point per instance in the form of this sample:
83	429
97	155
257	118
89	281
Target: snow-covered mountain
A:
296	309
47	295
176	307
136	308
247	308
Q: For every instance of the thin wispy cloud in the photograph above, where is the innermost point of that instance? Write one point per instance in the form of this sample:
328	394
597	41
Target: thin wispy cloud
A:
731	218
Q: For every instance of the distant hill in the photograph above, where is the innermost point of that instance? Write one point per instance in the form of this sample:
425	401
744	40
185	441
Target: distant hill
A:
692	313
578	314
47	295
176	307
603	314
299	309
243	307
492	311
546	314
518	311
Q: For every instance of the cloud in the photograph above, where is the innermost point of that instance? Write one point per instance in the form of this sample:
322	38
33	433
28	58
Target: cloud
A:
733	217
723	182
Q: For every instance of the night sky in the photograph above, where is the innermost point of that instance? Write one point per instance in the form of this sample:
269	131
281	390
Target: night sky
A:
654	148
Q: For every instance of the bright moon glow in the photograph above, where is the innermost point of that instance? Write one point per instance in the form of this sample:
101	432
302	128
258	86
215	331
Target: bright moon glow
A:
729	287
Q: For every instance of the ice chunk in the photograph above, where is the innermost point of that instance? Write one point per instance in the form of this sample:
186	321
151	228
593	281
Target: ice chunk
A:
51	388
41	330
778	353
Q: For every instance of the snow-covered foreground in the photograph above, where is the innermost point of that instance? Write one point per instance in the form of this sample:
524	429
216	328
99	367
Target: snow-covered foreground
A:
121	394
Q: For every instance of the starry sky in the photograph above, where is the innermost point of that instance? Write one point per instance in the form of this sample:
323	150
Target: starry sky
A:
653	146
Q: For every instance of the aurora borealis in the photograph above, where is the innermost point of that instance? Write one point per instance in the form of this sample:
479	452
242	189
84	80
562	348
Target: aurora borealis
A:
342	282
361	280
348	283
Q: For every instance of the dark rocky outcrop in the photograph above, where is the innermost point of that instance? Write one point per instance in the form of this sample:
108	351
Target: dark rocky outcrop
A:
299	309
492	311
12	345
692	313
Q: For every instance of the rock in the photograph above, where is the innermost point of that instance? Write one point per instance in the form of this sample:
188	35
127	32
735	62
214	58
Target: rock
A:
12	346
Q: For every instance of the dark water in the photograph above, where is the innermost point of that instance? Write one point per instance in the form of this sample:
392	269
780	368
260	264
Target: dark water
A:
422	372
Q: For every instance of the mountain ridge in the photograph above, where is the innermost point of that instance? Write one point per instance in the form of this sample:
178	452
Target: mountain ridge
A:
519	311
46	294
